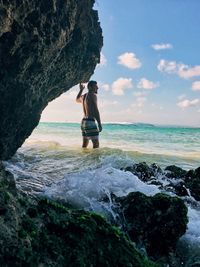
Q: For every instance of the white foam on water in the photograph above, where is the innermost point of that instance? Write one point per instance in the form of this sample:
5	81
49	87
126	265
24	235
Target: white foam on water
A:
193	228
189	244
86	189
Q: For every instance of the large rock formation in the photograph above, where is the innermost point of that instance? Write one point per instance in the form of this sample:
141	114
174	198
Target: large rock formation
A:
46	47
45	233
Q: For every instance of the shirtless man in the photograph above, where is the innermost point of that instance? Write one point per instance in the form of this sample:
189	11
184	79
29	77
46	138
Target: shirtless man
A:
89	128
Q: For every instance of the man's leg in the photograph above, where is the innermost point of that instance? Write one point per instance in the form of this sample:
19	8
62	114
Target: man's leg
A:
85	142
95	143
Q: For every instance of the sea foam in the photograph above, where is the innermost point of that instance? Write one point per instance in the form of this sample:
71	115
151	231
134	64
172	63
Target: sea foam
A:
88	188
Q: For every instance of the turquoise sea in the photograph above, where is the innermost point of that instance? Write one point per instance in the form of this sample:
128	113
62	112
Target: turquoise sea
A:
143	142
51	162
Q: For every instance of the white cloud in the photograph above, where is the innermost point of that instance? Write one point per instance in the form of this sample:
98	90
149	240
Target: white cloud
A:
103	60
146	84
162	46
120	85
139	102
167	66
196	86
157	106
71	94
140	99
64	108
181	97
187	72
129	60
182	70
188	103
107	103
140	93
106	86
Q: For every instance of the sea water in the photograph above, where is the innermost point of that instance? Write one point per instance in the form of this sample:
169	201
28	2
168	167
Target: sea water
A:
51	162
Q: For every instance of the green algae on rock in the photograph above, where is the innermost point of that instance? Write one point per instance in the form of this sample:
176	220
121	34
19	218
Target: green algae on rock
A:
46	233
155	222
52	235
76	238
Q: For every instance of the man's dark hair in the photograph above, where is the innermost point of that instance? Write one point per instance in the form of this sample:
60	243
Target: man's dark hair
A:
91	83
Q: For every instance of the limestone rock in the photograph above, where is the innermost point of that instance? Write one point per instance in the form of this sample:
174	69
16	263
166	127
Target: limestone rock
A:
46	47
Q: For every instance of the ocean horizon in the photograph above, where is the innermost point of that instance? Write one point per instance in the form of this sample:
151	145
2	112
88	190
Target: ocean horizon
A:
134	123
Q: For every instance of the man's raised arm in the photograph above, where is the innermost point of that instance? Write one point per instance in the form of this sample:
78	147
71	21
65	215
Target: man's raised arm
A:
79	96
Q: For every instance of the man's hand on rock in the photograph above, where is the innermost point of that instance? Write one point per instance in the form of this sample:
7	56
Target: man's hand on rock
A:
81	86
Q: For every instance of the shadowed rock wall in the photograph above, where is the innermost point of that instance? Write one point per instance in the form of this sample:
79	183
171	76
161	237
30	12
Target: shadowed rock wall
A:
46	47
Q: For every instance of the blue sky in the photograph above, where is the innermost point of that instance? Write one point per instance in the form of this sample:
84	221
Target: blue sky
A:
150	64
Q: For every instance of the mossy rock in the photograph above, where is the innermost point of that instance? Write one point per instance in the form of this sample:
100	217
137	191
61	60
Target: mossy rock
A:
156	222
175	172
53	235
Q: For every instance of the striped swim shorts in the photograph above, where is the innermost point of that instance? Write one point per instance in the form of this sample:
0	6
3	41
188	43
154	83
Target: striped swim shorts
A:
89	128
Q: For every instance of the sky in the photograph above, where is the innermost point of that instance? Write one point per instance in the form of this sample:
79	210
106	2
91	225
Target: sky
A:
150	65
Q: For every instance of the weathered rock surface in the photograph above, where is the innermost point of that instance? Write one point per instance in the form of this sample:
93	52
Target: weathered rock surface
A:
154	222
9	213
190	180
180	182
46	233
143	171
46	47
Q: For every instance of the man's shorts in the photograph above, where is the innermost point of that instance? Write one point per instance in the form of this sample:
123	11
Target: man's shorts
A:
89	128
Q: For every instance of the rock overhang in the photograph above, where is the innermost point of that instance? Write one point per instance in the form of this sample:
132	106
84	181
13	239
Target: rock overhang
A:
46	47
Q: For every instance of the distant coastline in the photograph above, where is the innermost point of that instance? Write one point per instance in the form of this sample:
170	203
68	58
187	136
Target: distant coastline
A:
129	123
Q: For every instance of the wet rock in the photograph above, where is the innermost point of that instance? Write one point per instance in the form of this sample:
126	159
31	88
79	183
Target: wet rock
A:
46	47
189	253
180	181
50	234
156	222
180	189
155	182
7	180
9	213
189	184
175	172
143	171
192	181
41	232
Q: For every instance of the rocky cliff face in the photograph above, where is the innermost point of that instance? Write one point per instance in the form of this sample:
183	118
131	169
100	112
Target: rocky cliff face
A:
46	47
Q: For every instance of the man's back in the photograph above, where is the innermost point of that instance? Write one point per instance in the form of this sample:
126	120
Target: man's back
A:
90	105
